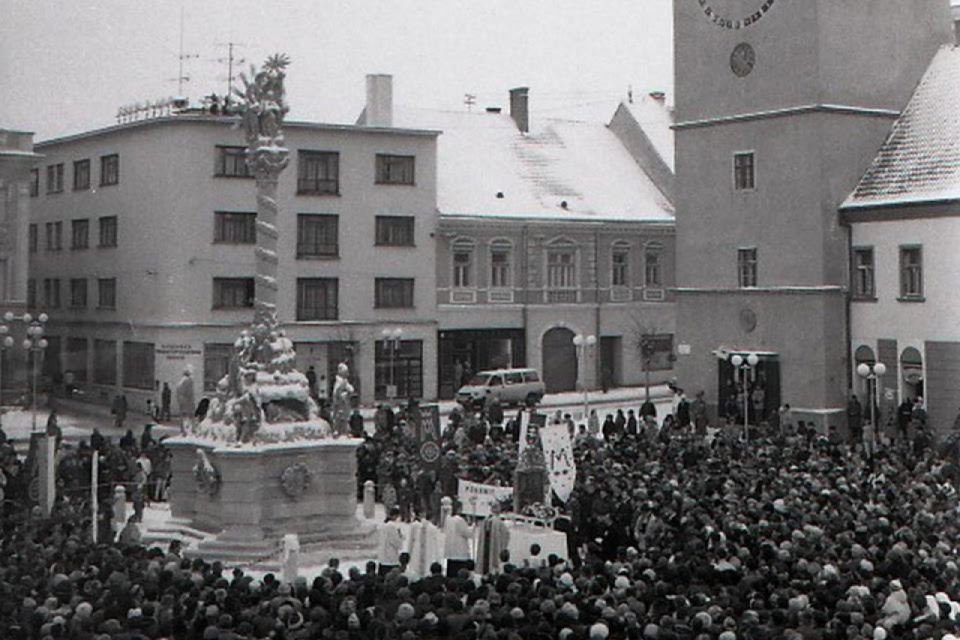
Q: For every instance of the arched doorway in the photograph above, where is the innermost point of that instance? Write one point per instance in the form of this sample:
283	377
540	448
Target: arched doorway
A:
559	360
863	355
911	368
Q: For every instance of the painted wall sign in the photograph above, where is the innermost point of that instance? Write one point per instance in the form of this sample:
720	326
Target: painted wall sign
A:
177	351
726	19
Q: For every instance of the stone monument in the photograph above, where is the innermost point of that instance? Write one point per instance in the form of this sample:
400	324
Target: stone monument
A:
263	464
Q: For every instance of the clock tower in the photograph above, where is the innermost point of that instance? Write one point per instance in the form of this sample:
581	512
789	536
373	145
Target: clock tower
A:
780	108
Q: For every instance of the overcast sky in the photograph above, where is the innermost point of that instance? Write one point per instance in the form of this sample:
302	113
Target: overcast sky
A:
66	66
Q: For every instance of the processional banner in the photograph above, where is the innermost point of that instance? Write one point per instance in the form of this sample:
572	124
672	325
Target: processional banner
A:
561	467
476	499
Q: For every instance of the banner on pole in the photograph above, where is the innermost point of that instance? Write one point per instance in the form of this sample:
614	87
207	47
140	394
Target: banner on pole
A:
476	499
558	451
427	430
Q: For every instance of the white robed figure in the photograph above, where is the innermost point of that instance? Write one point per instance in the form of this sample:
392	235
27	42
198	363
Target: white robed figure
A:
426	546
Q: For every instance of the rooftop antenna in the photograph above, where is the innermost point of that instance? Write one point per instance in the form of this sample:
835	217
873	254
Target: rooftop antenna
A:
630	93
231	61
469	99
181	78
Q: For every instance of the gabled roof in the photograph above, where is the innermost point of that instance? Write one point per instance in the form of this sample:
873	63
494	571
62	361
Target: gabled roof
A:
655	117
920	160
487	167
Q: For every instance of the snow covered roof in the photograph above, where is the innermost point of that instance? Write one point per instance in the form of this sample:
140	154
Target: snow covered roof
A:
487	167
920	160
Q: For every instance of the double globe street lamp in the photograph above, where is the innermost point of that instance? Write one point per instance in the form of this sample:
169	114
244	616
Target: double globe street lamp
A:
872	374
392	339
35	344
744	366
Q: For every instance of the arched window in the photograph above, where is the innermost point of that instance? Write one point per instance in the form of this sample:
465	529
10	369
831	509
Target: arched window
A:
561	264
463	250
501	264
620	264
652	264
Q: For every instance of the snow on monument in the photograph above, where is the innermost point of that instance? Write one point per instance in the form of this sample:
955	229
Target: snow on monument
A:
263	464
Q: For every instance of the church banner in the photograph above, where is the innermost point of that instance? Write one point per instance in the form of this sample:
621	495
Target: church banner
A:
558	451
475	498
426	423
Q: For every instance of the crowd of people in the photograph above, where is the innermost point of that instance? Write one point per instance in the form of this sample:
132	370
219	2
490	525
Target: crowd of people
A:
673	534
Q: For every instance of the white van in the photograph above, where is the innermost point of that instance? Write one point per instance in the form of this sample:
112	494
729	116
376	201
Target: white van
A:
510	386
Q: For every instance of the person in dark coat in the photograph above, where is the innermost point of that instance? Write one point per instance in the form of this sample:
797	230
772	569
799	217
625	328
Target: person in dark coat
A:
855	419
166	395
683	412
632	427
119	410
356	424
609	428
620	422
904	415
648	409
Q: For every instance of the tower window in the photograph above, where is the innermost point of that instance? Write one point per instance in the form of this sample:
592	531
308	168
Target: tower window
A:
747	267
744	171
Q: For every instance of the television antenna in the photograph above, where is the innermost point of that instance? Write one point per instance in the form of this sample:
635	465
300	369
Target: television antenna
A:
232	61
181	56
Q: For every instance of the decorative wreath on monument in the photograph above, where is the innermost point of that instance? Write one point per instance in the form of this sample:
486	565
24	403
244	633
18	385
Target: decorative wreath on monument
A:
295	480
541	511
207	476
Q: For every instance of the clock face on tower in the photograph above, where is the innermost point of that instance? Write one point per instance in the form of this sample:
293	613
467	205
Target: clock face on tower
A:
734	14
742	60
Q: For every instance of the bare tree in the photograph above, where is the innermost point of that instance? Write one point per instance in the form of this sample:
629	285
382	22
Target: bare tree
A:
644	338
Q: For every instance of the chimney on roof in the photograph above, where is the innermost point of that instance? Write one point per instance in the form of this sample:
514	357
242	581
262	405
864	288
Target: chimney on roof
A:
518	108
379	111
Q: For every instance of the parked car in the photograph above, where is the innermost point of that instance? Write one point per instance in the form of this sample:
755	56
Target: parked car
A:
509	386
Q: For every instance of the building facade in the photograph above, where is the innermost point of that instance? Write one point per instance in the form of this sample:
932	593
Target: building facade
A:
779	113
904	219
549	230
143	254
16	182
416	259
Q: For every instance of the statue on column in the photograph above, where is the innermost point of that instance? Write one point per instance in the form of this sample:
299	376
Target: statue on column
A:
262	386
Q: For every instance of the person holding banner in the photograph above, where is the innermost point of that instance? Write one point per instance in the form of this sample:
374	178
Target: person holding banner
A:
456	545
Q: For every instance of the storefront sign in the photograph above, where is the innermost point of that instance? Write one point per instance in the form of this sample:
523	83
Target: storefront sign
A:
177	351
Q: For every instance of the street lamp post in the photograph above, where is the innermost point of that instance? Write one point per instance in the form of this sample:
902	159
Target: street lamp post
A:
34	343
872	373
742	366
583	344
6	341
391	342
